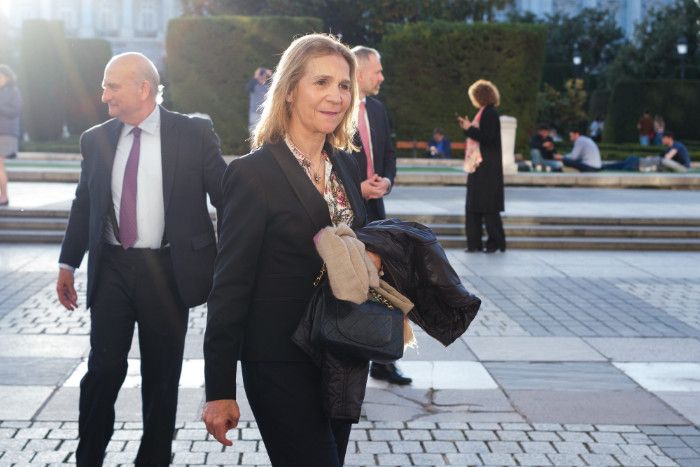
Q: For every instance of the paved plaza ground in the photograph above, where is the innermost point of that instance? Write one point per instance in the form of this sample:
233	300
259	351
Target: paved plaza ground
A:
576	358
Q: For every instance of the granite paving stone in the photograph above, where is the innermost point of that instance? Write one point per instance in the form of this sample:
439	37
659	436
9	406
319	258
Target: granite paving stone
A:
565	459
632	407
532	459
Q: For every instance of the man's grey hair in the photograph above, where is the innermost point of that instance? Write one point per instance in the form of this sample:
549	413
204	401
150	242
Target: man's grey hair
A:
144	69
362	53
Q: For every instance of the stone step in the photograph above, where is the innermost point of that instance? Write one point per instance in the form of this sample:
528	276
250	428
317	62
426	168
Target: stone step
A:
588	231
67	172
33	223
437	219
577	243
34	213
31	236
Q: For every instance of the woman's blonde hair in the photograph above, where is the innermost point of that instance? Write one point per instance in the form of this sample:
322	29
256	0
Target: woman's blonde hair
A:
277	112
483	93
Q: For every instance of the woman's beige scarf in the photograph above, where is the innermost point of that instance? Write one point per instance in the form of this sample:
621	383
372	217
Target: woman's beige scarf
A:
351	273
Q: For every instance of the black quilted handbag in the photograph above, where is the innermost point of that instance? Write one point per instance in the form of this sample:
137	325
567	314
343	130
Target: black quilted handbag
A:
372	330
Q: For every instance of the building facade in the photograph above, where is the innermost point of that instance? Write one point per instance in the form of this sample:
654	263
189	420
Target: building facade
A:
627	12
129	25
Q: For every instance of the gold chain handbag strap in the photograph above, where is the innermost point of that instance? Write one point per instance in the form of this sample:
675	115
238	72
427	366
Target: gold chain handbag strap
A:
377	297
320	275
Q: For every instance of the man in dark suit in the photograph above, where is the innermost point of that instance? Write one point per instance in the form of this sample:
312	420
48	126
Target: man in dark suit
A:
140	209
376	160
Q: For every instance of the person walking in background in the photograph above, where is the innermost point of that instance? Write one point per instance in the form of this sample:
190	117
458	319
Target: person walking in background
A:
257	87
140	209
485	199
585	155
645	125
10	110
659	129
376	160
276	199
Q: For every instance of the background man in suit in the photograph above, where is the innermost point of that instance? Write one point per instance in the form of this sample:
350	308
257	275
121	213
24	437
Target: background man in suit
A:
140	209
376	159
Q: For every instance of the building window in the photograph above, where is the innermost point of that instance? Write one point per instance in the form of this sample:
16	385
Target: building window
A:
107	17
27	9
67	11
147	14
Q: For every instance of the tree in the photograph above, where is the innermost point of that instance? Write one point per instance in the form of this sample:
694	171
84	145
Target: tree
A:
652	52
359	21
562	109
595	32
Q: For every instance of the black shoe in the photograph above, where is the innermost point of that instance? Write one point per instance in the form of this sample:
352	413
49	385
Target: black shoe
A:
389	373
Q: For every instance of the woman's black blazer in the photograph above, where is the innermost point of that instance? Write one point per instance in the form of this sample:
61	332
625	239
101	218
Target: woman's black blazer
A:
267	262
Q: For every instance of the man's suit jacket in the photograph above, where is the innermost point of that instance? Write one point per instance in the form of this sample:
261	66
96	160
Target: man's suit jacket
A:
267	261
192	167
382	149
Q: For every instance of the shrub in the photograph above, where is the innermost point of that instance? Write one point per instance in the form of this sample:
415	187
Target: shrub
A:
429	66
210	60
677	101
85	63
42	78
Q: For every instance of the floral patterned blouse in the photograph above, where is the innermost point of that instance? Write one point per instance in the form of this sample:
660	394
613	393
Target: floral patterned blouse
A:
333	192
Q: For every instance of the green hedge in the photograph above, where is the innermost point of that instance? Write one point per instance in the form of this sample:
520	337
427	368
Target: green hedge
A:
210	60
42	79
677	101
85	63
429	66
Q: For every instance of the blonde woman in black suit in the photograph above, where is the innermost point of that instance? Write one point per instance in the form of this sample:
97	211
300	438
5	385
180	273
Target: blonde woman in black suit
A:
295	182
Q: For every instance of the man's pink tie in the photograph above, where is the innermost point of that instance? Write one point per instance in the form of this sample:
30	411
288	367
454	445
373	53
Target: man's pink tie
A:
364	137
127	210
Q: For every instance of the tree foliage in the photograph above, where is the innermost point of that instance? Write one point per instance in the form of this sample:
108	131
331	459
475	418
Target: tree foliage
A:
652	52
562	109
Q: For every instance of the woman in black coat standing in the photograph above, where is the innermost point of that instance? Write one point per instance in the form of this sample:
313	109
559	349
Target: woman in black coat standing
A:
485	184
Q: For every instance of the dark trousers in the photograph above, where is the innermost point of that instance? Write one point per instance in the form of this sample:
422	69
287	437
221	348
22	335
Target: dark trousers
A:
494	228
134	286
286	400
631	163
580	166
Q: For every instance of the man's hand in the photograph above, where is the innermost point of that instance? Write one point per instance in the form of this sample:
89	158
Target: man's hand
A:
558	157
65	289
219	417
375	187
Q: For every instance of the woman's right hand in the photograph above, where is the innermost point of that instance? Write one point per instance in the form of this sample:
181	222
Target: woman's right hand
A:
464	122
219	417
375	259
